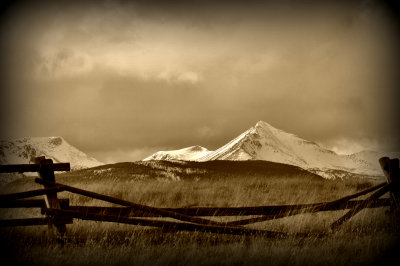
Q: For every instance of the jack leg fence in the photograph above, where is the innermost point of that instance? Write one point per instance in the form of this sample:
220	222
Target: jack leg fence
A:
58	212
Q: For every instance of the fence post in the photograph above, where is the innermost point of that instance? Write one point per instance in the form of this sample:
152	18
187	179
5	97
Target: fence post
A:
46	172
390	168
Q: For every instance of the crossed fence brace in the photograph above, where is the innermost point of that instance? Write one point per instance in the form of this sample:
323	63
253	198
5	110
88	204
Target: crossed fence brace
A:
59	213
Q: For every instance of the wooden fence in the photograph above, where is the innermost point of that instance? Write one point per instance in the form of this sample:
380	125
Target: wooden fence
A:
58	212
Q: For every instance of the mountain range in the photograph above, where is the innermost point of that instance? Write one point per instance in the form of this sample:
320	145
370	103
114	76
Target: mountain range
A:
23	150
261	142
265	142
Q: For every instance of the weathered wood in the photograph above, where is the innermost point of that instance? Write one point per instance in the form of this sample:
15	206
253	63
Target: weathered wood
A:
31	193
272	210
374	203
390	168
186	217
278	209
31	203
360	207
199	211
235	211
23	168
35	221
169	225
46	173
59	213
290	210
361	193
154	210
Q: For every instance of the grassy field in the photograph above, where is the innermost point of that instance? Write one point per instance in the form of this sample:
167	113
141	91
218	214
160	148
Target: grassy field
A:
370	238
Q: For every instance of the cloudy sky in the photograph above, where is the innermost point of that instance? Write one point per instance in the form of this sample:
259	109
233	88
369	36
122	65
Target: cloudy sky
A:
121	80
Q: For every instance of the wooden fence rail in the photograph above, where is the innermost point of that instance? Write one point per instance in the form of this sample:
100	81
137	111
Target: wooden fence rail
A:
58	212
31	203
24	168
226	211
31	193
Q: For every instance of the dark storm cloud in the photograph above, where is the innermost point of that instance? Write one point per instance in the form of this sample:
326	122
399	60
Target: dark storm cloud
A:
121	80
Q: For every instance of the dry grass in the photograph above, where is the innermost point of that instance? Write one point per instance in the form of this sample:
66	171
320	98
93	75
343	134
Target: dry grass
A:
366	239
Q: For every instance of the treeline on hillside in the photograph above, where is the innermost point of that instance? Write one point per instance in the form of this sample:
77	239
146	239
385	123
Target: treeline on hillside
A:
185	170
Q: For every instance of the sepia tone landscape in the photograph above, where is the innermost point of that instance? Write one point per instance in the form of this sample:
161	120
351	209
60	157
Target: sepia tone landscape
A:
199	133
368	238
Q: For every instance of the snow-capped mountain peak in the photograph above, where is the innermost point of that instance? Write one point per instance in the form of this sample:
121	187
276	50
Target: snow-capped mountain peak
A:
192	153
265	142
24	150
261	142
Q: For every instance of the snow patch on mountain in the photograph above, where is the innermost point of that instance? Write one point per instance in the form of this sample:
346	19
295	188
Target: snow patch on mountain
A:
192	153
24	150
265	142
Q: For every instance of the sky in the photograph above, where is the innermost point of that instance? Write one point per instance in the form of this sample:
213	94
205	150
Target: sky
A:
121	80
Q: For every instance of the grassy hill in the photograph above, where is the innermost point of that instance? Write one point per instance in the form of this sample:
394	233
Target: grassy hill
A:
363	240
184	170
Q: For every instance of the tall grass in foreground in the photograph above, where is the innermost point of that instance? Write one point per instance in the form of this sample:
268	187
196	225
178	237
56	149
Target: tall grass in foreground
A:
366	239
